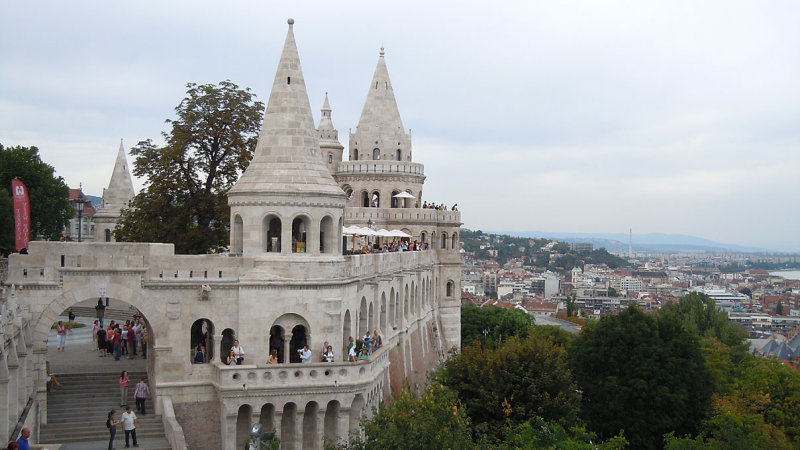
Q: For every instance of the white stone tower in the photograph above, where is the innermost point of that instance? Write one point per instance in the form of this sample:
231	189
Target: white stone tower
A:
116	197
287	201
329	145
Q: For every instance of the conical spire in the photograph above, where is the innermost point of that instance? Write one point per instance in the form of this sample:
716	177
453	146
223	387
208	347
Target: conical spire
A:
120	188
380	109
287	156
326	129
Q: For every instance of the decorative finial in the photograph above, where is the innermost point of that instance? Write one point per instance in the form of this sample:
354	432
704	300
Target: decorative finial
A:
290	22
382	52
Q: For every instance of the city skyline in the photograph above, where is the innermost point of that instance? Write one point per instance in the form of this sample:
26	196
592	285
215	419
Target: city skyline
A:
666	117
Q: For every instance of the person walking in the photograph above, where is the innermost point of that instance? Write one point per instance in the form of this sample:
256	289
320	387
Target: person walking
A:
141	393
129	425
71	317
111	424
131	342
117	347
61	334
124	379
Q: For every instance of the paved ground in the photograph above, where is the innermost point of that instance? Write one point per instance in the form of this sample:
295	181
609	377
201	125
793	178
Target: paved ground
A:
81	354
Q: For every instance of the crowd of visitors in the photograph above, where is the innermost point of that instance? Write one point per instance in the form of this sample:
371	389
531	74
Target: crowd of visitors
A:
440	207
128	339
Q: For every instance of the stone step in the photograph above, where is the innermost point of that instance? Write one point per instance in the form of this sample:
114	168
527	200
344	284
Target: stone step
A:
110	314
76	413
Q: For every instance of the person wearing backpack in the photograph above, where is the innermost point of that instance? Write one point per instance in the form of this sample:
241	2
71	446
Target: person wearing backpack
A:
111	424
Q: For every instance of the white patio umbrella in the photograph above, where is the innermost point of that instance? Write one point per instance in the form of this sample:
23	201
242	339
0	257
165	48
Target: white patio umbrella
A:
403	194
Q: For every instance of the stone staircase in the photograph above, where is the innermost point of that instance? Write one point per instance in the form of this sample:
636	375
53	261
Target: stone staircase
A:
77	413
117	314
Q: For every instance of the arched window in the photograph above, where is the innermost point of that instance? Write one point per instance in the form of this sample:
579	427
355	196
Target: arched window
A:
449	289
228	336
363	324
444	240
330	158
399	154
277	341
238	230
327	238
271	226
376	199
454	242
300	227
395	200
355	155
422	237
376	154
364	199
299	339
201	341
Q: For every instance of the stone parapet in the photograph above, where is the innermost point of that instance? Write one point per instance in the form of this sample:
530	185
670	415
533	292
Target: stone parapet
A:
403	216
377	166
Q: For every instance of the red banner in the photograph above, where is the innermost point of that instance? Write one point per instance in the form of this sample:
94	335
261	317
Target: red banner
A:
22	213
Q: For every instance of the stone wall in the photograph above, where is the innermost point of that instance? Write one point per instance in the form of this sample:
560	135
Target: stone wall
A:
200	422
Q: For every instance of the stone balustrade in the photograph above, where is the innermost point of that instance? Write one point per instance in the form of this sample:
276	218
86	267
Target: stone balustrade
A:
402	216
302	376
376	166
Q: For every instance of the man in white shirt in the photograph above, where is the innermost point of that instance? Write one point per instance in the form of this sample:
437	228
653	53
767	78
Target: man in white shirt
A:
129	425
238	352
305	354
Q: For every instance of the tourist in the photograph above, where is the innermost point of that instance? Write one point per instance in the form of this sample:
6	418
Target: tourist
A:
129	425
71	317
52	382
100	310
351	349
238	351
23	439
305	354
95	328
141	392
328	355
61	336
231	360
111	424
117	345
144	342
322	352
377	342
12	446
273	356
101	341
123	340
131	342
199	357
124	379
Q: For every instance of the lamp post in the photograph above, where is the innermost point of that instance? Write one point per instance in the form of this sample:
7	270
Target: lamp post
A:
260	439
80	201
369	225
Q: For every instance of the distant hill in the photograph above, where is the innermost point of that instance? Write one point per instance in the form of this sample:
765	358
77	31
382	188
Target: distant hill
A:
651	242
96	201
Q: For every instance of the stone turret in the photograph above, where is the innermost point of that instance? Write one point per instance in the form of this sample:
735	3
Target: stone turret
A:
116	197
380	134
287	201
329	144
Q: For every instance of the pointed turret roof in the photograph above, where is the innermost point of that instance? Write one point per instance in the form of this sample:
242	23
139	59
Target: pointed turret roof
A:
380	109
286	159
325	122
120	188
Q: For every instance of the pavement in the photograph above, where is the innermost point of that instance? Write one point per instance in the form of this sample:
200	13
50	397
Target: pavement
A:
81	354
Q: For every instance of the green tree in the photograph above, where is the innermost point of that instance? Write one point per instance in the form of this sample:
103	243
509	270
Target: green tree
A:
48	194
521	380
501	324
211	141
434	420
641	376
539	434
572	305
612	292
779	308
700	316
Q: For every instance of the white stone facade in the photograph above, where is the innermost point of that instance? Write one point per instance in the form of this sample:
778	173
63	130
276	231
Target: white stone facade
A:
285	283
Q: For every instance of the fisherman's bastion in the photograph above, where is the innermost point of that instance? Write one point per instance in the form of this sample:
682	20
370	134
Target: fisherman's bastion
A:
288	280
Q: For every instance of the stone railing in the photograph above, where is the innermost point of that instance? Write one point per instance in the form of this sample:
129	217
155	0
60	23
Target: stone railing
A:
172	429
401	215
302	376
374	166
379	263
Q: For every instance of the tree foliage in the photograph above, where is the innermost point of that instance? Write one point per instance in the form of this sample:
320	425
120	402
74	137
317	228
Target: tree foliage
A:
210	143
642	376
539	434
517	382
434	420
501	324
48	194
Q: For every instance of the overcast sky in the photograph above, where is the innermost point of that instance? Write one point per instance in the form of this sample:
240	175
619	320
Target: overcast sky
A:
672	117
